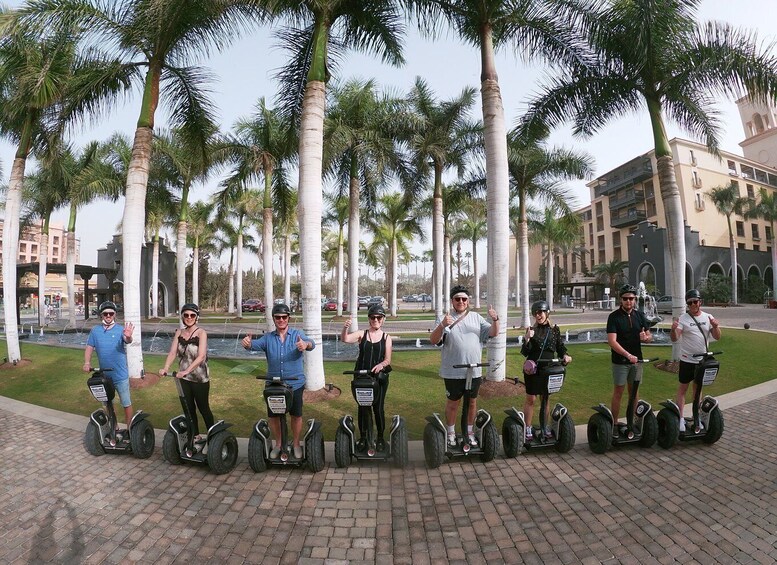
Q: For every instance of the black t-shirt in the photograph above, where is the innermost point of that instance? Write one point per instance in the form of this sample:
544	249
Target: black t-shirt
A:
627	326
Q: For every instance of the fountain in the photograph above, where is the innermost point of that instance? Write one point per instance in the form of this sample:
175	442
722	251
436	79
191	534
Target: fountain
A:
647	305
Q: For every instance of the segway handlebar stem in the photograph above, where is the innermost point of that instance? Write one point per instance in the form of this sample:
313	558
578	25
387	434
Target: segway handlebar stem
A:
707	354
359	372
470	365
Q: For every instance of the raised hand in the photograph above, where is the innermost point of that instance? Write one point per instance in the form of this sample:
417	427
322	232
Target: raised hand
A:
492	313
302	345
246	341
128	329
347	324
447	320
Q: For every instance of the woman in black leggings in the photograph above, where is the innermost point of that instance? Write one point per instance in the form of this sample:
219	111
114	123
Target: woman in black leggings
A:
374	356
190	345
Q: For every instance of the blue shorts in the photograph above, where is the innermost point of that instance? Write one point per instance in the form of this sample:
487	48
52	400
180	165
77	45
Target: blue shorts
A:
122	389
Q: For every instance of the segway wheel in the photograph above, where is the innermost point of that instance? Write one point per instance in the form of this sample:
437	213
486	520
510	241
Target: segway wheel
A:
222	452
314	450
566	434
490	439
434	446
599	433
342	448
512	437
399	445
142	439
668	428
170	449
649	430
92	441
715	429
256	459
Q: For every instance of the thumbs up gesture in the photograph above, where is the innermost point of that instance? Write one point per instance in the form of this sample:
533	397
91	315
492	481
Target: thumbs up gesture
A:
246	341
301	344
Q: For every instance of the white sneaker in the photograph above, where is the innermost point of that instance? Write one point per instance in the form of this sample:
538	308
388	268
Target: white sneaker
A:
451	440
472	441
682	424
298	452
275	452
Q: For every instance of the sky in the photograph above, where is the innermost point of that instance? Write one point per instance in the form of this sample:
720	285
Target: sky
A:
245	73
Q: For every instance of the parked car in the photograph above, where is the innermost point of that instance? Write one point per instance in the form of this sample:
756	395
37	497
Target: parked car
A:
664	305
364	302
253	305
331	305
376	300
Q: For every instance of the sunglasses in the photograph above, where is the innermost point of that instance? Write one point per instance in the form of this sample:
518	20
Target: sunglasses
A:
108	314
376	317
693	302
189	316
282	317
460	298
538	312
628	297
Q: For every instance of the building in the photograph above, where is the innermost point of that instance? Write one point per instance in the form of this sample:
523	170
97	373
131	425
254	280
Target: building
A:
626	222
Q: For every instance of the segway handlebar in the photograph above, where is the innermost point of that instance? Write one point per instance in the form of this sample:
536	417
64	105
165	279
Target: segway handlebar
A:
647	360
470	365
706	354
359	372
268	379
99	370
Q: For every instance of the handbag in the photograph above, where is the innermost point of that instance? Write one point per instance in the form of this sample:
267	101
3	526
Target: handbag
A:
529	366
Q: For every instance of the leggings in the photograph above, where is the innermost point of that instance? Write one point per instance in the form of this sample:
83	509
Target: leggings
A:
197	394
377	408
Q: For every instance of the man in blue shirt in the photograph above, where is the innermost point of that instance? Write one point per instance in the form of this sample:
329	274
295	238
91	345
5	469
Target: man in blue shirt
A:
108	340
283	349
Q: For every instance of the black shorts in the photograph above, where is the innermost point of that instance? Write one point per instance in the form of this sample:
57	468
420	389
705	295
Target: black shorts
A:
536	383
687	372
454	388
296	402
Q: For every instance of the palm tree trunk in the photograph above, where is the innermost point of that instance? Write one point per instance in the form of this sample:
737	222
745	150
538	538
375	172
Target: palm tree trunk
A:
13	205
70	269
267	256
309	208
477	274
133	223
438	244
497	202
180	262
517	274
239	273
196	274
354	234
340	271
287	269
549	277
155	278
446	261
394	269
231	291
43	258
523	269
732	246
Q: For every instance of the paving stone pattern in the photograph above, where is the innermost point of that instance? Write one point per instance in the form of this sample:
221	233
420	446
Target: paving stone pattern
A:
691	504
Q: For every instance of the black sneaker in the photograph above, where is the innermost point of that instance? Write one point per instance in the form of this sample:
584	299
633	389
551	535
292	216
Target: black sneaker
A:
380	445
361	445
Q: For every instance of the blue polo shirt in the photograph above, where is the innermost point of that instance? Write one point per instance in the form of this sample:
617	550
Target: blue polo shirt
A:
284	360
109	345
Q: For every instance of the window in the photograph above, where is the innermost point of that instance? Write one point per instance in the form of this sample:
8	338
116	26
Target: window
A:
56	240
616	239
740	245
22	248
732	168
750	191
740	229
698	199
693	158
696	180
768	233
748	172
599	217
756	247
754	230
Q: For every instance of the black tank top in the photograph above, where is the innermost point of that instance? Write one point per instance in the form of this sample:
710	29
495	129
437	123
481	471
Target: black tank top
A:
370	354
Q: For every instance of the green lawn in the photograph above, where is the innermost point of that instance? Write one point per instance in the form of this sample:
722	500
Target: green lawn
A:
54	380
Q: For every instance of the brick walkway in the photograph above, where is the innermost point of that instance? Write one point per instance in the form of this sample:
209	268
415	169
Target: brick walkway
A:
694	503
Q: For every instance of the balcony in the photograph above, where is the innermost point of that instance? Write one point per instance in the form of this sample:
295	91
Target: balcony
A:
635	171
632	218
630	198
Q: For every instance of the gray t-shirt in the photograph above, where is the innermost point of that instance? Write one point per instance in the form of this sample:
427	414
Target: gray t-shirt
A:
464	344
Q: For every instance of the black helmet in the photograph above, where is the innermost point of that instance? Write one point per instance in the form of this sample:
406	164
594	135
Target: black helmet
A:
107	305
458	289
281	309
191	307
692	294
376	310
540	306
628	289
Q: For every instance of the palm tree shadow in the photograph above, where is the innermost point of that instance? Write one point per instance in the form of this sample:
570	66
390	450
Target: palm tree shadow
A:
43	548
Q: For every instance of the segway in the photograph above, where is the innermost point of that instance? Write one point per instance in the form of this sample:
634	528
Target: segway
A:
278	396
364	387
561	425
436	447
218	450
707	421
641	426
102	435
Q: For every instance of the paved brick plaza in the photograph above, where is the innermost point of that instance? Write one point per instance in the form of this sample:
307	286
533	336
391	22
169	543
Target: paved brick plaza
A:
693	503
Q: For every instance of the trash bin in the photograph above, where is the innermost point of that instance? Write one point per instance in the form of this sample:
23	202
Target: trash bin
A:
773	304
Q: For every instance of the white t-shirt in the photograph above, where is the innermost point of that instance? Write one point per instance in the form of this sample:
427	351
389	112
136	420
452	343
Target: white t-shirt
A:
691	340
464	344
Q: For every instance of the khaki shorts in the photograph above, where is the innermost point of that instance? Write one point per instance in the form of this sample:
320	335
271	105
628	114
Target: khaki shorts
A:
621	374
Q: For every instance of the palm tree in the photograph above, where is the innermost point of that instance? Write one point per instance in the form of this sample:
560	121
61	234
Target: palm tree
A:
489	25
473	228
321	27
766	208
727	201
554	231
440	139
261	149
286	231
158	37
337	216
360	153
395	227
537	173
654	54
610	273
199	228
191	164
